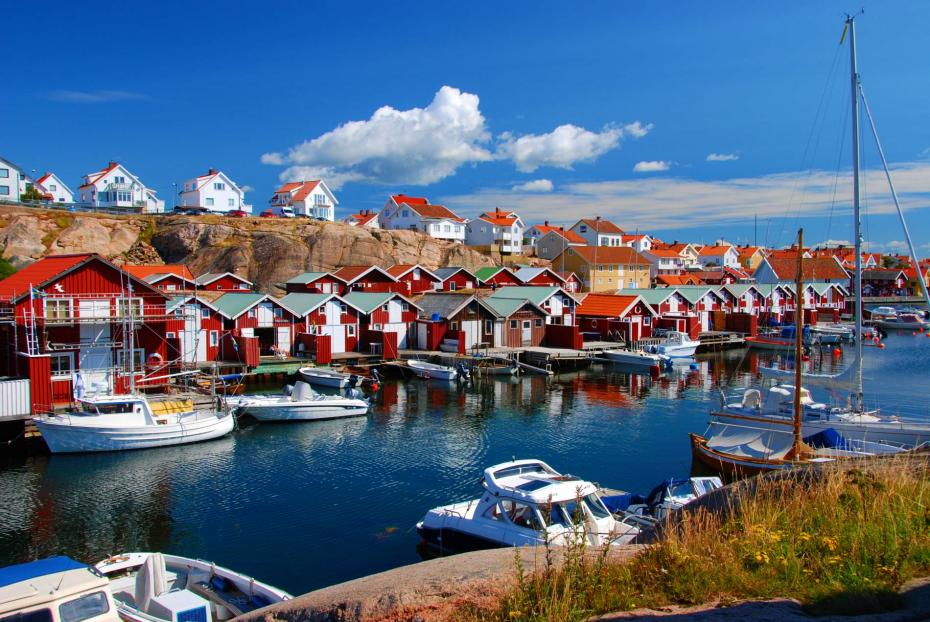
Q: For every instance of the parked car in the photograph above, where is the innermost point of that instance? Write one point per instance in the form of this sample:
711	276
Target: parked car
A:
238	213
268	214
190	211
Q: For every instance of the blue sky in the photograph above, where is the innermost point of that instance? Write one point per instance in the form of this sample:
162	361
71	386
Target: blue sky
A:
469	98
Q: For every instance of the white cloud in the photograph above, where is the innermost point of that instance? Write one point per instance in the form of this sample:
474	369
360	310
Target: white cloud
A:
564	146
829	243
537	185
663	203
652	166
247	188
413	147
722	157
94	97
925	153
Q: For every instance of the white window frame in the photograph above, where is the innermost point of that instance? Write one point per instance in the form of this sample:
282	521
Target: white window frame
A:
70	372
214	338
350	330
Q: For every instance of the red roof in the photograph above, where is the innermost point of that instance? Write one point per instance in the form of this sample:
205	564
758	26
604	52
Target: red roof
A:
497	217
609	255
37	273
43	178
605	305
305	190
400	269
812	269
602	226
663	252
100	174
678	279
711	251
435	211
289	186
363	219
143	271
748	251
403	198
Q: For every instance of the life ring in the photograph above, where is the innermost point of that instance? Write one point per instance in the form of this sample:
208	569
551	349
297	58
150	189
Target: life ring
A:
153	361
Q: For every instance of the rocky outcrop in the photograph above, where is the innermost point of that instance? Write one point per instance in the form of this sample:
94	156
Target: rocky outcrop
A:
265	251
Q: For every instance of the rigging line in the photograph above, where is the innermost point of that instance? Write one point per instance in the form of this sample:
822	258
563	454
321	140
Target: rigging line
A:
827	90
839	164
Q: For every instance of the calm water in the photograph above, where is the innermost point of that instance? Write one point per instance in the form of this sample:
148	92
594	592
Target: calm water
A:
306	505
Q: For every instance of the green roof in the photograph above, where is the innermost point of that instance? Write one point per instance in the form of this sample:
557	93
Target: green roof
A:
505	307
368	302
306	277
302	304
737	289
233	304
483	274
693	293
174	302
537	294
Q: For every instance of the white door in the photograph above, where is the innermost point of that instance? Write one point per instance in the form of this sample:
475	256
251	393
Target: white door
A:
95	358
527	335
283	338
401	330
421	336
471	329
337	338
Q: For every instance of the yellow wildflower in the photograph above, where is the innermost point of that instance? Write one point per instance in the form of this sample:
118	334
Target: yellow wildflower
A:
804	537
829	543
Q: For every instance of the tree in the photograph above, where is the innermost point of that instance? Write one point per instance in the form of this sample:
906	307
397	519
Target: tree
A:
6	268
32	195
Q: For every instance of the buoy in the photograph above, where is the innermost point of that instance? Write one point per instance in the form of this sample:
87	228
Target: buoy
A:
693	366
881	346
875	339
913	333
837	352
805	357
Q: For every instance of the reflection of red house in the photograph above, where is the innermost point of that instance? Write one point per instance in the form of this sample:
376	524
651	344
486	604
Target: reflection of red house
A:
367	279
414	278
74	319
223	282
608	316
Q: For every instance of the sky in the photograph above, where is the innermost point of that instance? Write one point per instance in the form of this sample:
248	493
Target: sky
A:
685	120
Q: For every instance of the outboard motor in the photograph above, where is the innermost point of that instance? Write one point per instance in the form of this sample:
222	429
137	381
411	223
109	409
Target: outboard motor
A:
288	389
464	373
376	374
353	380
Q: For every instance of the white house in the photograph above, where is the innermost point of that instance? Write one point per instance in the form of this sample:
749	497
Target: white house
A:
312	199
723	256
114	186
501	229
599	232
214	191
54	189
642	242
365	218
664	261
13	181
417	214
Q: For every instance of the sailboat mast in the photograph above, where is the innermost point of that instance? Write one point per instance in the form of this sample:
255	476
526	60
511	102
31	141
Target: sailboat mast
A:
857	283
798	340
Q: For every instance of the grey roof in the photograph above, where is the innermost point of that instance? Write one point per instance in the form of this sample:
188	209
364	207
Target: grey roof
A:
445	273
366	302
537	294
444	305
505	307
652	296
306	277
526	274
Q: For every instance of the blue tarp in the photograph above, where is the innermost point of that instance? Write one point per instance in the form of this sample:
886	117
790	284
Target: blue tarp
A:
616	503
38	568
827	439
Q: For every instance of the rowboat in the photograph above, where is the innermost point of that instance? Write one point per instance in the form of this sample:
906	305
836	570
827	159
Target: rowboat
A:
429	371
325	377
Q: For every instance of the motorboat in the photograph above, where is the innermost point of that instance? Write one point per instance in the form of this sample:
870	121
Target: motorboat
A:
155	587
843	331
677	345
883	313
496	368
325	377
781	340
638	358
902	321
55	589
526	502
776	411
301	403
118	422
671	494
434	371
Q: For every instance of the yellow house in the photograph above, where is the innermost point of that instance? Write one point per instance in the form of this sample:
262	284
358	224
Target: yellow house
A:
605	268
750	256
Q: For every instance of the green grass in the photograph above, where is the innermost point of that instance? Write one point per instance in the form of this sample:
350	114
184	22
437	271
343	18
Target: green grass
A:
6	268
842	540
149	231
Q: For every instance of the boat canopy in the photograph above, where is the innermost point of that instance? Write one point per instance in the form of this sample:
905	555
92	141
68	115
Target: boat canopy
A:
748	442
39	568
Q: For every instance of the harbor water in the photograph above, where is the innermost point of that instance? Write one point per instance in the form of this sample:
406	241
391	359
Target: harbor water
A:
305	505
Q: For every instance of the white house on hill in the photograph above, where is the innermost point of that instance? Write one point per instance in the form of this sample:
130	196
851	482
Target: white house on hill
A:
13	181
213	191
312	199
503	230
599	232
365	218
417	214
115	187
54	189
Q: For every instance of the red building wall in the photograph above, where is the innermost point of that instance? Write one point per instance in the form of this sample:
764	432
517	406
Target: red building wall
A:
227	283
461	281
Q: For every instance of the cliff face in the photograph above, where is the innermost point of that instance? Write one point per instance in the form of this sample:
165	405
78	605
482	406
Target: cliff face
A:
265	251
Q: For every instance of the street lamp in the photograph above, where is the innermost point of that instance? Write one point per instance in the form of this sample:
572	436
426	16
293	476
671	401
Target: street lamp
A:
174	191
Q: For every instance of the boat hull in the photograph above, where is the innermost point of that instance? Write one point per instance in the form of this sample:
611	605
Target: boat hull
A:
304	413
761	343
632	358
731	467
447	541
900	325
432	372
335	382
679	352
62	437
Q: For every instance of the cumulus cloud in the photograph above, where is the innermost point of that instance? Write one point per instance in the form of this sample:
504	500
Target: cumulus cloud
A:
564	146
247	188
722	157
94	97
537	185
413	147
652	166
829	243
662	203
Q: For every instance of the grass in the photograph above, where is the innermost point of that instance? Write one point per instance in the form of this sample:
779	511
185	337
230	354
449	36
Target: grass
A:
841	540
149	231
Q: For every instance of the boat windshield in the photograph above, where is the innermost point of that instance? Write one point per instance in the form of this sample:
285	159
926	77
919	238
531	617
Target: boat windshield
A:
570	513
680	489
108	408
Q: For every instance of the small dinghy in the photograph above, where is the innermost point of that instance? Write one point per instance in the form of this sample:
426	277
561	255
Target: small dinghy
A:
325	377
432	371
302	404
152	587
637	358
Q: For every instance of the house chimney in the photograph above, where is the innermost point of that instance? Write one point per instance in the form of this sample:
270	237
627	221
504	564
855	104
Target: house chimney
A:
545	223
212	171
112	163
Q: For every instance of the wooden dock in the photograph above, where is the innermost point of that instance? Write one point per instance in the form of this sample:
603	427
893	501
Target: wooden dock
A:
720	340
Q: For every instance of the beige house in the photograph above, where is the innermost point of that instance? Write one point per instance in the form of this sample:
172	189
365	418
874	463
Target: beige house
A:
605	268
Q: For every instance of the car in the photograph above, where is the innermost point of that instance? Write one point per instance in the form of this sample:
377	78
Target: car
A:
238	213
268	214
190	211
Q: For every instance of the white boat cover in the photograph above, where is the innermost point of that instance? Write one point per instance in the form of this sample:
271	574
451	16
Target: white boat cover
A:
150	581
302	392
748	442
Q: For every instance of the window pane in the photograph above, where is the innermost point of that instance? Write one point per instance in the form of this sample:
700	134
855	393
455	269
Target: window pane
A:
40	615
84	608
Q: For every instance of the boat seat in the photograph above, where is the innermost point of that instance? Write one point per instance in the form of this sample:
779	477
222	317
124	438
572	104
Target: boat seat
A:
752	399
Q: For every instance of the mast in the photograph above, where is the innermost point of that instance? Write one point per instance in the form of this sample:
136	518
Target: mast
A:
857	283
798	340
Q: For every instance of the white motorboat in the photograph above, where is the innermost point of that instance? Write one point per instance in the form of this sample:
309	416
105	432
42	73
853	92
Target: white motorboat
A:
526	502
678	345
776	412
433	371
325	377
883	313
902	321
842	331
55	588
636	357
302	404
671	494
118	422
152	587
